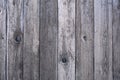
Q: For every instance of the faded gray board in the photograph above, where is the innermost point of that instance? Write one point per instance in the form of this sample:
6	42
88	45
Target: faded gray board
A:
48	39
31	40
66	40
3	56
103	39
59	40
84	40
116	39
14	39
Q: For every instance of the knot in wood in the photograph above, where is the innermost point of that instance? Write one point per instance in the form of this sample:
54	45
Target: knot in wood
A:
64	60
85	38
18	39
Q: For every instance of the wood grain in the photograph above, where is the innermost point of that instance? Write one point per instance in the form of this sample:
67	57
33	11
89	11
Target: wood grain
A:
103	39
59	39
15	39
3	55
48	39
31	40
66	37
116	39
84	40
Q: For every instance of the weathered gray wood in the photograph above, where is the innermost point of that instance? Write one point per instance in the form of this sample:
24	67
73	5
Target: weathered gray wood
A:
15	39
66	40
48	40
31	40
84	40
78	40
3	40
103	39
116	39
59	39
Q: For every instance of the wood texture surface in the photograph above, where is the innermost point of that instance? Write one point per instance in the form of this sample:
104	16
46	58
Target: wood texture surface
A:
84	40
103	39
116	39
66	37
15	39
48	39
3	54
59	40
31	40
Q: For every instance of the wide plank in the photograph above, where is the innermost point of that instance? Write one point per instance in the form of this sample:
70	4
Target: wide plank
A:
48	39
116	39
103	39
3	53
31	40
84	40
15	39
66	40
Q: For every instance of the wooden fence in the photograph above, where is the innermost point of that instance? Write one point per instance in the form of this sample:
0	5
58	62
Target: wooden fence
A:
59	39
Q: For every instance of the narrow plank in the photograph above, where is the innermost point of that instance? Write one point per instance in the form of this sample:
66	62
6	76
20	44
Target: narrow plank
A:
66	37
15	39
116	39
48	40
78	40
84	40
31	40
103	39
2	39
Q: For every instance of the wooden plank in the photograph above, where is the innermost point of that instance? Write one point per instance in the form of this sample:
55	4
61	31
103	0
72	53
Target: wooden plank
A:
48	40
103	39
116	39
31	40
15	39
66	37
78	40
3	40
84	40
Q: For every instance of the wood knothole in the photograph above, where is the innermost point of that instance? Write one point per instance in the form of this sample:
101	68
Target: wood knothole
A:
18	39
17	36
64	60
85	38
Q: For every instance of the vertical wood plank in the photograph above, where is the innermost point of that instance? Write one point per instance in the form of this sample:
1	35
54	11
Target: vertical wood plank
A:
84	40
2	40
116	39
103	39
78	40
15	39
48	39
31	40
66	37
